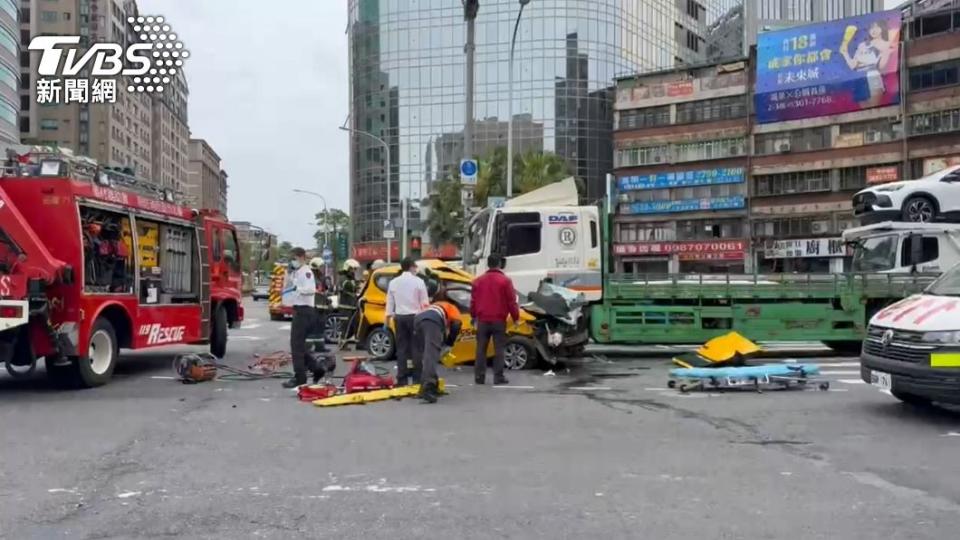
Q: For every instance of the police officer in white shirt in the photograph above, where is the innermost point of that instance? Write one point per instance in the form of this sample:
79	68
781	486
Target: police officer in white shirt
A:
406	296
301	297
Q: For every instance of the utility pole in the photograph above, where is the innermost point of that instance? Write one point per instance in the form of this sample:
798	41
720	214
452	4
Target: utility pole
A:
470	9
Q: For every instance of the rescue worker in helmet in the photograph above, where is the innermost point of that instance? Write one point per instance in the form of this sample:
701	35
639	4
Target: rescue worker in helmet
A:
322	305
436	329
348	285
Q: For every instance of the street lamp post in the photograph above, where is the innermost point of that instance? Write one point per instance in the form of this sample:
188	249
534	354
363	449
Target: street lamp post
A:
326	212
386	148
513	44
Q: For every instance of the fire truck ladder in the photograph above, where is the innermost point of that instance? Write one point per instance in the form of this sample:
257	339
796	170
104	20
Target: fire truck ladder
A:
204	280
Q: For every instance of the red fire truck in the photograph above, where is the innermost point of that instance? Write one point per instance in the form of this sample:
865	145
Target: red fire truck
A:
92	261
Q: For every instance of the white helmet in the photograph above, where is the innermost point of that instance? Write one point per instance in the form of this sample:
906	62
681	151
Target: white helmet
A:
316	263
350	265
377	264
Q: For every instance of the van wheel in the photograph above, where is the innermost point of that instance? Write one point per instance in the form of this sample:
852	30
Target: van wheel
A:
97	367
218	333
518	355
380	344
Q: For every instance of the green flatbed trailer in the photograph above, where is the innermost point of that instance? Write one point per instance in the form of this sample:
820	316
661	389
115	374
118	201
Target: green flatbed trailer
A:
832	308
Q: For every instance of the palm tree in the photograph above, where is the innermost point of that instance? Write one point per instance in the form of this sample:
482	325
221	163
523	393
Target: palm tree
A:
445	222
531	170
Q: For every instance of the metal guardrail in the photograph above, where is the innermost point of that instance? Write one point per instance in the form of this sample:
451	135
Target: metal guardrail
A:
626	286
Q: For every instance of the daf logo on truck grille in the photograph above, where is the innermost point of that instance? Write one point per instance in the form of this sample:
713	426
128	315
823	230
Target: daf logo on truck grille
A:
886	338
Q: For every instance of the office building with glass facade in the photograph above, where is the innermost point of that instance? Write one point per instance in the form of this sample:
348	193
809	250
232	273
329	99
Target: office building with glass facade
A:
9	72
407	68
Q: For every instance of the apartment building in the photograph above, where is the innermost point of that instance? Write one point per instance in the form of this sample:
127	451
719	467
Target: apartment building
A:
680	160
9	72
206	182
804	172
807	145
170	133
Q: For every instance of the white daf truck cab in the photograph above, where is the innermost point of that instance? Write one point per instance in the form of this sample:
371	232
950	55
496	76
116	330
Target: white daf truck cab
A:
541	235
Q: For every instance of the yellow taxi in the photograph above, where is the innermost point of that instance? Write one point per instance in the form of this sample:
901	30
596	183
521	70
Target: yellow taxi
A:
523	350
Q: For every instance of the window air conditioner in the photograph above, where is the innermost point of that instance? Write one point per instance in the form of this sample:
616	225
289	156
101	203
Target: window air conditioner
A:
783	147
871	137
820	227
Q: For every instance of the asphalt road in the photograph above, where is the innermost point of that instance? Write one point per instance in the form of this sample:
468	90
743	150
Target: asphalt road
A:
604	450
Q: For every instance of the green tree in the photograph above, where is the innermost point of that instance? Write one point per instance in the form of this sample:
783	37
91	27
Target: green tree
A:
445	221
531	170
334	221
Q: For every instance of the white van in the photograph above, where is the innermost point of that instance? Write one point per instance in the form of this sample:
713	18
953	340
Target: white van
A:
912	348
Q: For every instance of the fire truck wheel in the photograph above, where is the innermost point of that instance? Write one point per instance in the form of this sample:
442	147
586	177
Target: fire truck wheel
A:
218	334
102	352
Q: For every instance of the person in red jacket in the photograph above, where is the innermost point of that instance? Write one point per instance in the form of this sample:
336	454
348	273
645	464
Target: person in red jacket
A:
492	300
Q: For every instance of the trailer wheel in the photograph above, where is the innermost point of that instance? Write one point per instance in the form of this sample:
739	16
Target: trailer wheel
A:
218	333
97	367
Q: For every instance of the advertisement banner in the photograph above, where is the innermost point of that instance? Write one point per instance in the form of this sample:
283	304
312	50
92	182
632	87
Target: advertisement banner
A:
935	165
686	205
828	68
732	175
812	247
882	175
687	251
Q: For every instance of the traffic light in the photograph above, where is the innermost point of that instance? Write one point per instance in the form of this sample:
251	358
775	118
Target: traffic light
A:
416	247
470	8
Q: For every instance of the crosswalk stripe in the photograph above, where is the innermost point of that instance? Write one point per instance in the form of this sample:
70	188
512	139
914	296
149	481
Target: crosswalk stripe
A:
851	381
850	372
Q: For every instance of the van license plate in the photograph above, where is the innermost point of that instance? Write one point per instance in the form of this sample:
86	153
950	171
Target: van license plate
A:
881	380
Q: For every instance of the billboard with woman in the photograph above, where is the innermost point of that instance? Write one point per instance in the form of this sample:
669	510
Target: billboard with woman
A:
828	68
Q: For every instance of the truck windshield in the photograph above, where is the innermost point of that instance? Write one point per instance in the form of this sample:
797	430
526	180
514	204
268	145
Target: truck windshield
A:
876	254
947	285
476	236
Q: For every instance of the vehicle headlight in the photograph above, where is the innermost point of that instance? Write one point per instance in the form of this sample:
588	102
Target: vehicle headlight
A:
888	189
947	338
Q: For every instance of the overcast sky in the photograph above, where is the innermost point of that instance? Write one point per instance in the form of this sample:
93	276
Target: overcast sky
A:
268	89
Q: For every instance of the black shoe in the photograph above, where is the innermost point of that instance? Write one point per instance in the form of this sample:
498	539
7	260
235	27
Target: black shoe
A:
480	380
500	381
428	393
294	382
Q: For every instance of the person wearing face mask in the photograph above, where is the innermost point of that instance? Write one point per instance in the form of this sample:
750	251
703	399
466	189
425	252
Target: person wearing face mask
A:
301	292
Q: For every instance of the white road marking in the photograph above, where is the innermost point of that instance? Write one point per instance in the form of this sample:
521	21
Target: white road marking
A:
591	388
128	494
247	338
515	387
285	327
850	372
249	326
61	490
948	434
163	378
851	381
840	364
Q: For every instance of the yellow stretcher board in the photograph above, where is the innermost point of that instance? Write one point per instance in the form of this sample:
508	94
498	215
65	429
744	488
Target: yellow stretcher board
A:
361	398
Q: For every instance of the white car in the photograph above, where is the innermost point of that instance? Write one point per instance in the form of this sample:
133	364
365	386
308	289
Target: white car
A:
932	198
